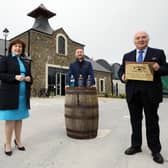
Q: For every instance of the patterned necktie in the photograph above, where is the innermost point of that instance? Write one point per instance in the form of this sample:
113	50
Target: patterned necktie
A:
140	56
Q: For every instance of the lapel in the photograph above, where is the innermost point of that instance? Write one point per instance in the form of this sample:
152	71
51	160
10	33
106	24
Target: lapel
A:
148	55
151	56
132	57
12	64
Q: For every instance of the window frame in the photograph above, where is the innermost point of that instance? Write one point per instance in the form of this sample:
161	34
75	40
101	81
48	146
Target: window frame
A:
104	89
57	44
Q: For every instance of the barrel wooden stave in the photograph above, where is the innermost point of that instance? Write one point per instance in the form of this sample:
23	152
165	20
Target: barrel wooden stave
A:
81	113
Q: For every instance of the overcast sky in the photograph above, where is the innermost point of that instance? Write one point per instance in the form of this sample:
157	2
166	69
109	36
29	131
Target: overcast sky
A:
106	27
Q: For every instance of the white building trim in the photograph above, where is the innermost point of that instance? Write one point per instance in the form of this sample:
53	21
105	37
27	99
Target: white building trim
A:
95	82
53	66
66	43
104	89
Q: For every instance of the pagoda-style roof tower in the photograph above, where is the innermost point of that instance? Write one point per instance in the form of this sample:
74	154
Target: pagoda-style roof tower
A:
41	15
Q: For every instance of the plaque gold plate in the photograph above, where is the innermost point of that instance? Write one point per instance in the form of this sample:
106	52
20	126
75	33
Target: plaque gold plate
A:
139	71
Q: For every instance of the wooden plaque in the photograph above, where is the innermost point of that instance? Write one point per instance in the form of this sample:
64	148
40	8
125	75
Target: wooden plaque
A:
139	71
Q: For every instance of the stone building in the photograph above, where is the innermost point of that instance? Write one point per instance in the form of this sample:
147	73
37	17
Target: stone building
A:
118	88
51	52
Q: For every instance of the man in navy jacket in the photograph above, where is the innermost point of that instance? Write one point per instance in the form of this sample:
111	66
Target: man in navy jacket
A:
80	67
145	95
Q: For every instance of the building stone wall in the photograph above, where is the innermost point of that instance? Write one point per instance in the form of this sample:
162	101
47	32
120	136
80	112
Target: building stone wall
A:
108	85
42	49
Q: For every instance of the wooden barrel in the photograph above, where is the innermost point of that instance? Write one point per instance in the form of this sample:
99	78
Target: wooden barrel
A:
81	112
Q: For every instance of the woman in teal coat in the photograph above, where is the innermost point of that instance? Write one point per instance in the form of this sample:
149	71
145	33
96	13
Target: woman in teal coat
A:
16	79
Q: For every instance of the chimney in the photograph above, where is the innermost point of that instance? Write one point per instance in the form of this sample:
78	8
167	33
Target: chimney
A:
41	15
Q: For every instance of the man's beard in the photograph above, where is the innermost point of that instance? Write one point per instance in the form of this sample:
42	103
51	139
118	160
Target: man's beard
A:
81	57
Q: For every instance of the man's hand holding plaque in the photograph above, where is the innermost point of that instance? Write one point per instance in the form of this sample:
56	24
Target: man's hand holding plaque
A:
156	66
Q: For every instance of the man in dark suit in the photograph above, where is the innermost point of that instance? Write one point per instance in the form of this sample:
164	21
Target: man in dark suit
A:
145	95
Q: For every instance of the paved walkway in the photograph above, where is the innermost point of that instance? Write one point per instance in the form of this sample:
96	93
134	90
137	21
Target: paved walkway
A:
47	145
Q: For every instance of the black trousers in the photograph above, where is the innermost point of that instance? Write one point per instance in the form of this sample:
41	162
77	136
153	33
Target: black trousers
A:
139	103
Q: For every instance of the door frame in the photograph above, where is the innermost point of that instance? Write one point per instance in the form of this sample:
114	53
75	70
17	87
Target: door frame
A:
57	67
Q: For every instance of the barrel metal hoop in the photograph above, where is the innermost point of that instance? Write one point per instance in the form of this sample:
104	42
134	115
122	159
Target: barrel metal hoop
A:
85	132
81	118
81	106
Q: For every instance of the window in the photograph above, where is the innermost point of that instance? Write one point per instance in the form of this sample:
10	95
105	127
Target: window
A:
61	44
96	82
102	85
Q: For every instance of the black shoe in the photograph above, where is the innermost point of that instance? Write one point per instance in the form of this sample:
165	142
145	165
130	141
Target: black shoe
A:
132	150
19	148
9	153
157	157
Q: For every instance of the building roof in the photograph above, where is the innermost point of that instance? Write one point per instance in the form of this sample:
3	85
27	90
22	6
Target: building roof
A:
41	10
96	66
41	15
104	63
114	69
83	45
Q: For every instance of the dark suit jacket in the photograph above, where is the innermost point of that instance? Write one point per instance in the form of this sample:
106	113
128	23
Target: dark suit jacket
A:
84	68
153	89
9	88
